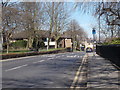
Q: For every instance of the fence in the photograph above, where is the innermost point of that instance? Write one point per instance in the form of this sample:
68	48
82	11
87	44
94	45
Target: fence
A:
110	52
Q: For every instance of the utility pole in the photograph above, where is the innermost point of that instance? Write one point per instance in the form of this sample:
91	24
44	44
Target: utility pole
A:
99	22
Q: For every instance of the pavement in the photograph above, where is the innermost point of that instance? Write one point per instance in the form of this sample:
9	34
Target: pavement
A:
102	74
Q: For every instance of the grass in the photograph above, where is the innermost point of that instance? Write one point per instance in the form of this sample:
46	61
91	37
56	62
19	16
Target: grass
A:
16	51
74	50
24	51
51	49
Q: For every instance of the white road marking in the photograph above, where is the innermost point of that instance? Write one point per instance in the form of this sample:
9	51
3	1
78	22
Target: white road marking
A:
70	56
75	56
19	58
57	56
78	72
50	58
12	59
39	61
16	67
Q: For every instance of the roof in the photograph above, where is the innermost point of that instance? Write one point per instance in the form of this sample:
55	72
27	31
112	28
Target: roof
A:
25	34
66	34
41	33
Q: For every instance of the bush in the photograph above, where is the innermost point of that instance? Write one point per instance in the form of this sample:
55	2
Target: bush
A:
19	44
116	41
41	44
38	44
113	41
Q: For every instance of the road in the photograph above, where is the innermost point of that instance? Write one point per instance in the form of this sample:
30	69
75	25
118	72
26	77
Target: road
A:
52	71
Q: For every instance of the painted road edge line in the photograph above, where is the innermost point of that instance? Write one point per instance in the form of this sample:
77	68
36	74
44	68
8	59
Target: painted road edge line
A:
78	72
16	67
12	59
39	61
19	58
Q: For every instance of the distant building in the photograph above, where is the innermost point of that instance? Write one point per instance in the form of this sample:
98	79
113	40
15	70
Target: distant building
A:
63	41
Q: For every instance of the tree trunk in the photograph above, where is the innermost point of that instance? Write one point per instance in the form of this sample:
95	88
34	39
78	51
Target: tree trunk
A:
118	33
55	44
48	43
7	40
7	47
30	42
111	33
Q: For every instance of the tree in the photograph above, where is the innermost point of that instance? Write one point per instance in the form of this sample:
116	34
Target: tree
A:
111	12
57	15
40	44
6	3
8	26
28	14
108	14
10	21
32	16
21	16
75	32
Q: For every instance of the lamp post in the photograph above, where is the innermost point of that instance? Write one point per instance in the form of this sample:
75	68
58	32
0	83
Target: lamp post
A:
99	21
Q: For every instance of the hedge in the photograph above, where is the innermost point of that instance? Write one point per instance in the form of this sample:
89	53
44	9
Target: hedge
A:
13	55
19	44
110	52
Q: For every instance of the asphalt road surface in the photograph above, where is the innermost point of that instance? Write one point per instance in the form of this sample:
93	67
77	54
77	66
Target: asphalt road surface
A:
42	71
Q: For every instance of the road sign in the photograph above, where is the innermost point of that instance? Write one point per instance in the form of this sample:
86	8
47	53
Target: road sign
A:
93	31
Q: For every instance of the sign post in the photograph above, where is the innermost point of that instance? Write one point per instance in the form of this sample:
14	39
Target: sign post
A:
93	32
47	44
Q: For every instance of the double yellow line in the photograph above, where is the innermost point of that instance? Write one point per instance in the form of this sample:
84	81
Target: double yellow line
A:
79	71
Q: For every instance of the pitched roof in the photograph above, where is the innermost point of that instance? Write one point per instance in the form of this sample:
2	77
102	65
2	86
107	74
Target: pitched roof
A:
25	34
41	33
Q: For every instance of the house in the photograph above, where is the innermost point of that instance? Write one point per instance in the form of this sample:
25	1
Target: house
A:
63	41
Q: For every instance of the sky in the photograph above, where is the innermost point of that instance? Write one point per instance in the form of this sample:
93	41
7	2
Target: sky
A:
86	21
